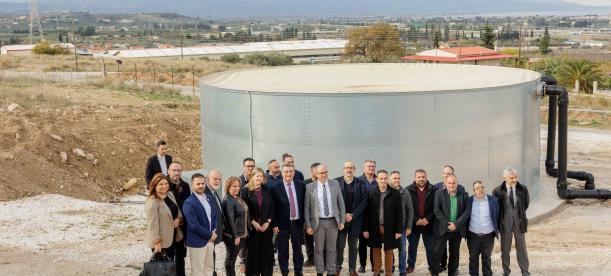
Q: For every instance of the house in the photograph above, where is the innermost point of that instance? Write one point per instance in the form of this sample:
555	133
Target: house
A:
476	55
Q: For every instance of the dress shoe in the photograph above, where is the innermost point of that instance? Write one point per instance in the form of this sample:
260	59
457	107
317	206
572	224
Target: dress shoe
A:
308	263
353	273
319	274
444	268
362	269
298	273
409	270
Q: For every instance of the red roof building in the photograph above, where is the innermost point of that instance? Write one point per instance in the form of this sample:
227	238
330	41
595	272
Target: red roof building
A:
466	55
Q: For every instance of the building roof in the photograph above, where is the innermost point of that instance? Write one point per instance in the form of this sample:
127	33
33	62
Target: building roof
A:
457	54
27	47
254	47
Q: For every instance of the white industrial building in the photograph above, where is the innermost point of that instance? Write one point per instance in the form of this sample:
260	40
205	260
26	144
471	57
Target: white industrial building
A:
26	49
299	50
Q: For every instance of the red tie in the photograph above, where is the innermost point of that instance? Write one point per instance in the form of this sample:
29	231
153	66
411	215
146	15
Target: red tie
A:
292	202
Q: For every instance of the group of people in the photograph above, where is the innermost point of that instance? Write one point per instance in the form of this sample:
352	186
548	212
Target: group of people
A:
262	212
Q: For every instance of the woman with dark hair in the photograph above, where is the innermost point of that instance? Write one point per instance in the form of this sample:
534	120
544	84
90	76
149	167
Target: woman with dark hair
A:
163	217
236	220
260	257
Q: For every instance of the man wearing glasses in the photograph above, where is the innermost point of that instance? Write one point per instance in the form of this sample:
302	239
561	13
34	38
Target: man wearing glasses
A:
324	216
249	166
181	191
355	200
483	228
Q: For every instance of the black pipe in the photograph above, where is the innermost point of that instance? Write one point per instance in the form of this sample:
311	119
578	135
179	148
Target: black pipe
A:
551	129
561	98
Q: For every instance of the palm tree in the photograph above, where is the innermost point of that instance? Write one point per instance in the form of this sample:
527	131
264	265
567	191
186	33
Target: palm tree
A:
584	71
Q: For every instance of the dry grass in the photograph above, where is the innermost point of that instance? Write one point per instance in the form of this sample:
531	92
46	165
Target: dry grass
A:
147	69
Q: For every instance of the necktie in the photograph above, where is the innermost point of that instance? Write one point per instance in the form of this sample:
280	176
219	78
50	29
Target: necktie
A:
292	201
511	198
325	202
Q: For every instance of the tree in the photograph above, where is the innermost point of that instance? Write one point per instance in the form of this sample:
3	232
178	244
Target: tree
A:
548	66
446	33
487	37
376	43
544	43
436	39
581	70
60	37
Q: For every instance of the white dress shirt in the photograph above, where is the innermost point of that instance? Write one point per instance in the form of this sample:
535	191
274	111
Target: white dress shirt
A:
162	164
292	190
321	205
204	201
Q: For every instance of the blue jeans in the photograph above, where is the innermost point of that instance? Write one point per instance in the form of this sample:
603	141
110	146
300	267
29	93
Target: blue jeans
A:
402	253
412	250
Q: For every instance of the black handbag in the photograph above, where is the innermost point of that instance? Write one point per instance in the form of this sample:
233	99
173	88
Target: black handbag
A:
159	265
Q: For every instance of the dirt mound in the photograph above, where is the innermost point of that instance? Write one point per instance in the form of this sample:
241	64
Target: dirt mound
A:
38	153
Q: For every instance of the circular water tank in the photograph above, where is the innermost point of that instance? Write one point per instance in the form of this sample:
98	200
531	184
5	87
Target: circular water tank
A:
479	119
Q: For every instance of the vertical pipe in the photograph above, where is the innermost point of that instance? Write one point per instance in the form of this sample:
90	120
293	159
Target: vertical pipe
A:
563	108
551	133
252	142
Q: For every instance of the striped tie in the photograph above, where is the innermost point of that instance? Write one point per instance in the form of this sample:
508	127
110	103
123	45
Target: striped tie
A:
325	202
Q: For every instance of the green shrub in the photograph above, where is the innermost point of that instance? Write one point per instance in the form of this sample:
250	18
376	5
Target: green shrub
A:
231	58
45	48
268	60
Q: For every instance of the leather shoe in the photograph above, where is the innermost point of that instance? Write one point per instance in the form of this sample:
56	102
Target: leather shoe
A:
409	270
353	273
362	269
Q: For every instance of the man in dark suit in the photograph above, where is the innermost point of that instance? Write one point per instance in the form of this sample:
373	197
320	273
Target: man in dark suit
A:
483	228
201	224
288	199
158	163
450	224
212	186
369	178
355	200
290	160
181	191
423	196
513	199
248	168
273	175
447	170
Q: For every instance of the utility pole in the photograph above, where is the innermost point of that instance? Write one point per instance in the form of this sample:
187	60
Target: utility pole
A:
35	21
182	57
519	46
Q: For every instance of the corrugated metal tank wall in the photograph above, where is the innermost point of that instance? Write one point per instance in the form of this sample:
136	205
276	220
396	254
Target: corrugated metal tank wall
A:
479	131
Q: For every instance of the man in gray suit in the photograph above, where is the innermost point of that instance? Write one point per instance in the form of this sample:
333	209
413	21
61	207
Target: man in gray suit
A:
513	200
324	216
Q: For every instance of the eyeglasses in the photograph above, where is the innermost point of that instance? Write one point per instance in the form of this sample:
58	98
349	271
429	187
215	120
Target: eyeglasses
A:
250	166
323	172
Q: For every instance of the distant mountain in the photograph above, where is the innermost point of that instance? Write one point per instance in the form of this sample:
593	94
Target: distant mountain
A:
271	8
13	8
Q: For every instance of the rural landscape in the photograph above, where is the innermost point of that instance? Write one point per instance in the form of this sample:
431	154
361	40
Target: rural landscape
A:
87	92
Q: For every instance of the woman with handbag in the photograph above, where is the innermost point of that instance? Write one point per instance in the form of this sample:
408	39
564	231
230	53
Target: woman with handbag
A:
163	217
236	220
260	257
